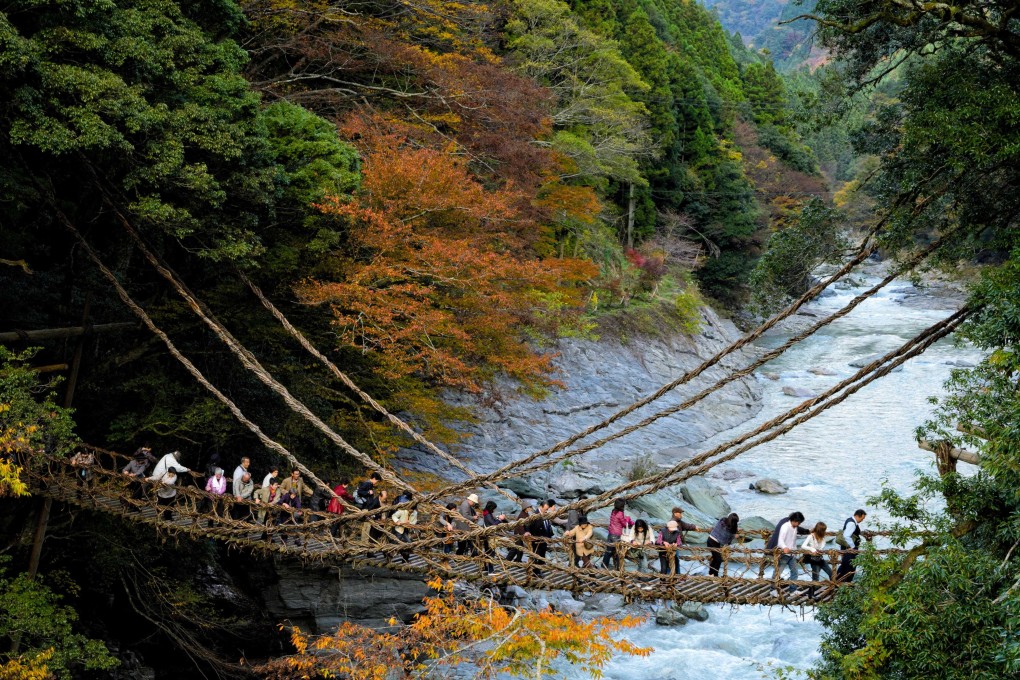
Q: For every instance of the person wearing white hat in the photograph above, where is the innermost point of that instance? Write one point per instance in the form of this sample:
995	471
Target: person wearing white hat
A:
467	520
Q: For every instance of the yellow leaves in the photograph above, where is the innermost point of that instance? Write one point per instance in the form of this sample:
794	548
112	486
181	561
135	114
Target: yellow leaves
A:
27	668
13	440
842	197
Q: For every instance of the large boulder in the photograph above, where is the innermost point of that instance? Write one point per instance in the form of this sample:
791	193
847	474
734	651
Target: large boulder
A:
705	496
694	610
767	485
667	616
320	598
657	506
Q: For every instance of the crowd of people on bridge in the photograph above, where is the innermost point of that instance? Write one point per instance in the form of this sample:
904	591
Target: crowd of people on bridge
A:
281	502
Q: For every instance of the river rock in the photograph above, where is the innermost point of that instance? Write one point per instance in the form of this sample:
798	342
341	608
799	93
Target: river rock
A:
694	610
562	601
730	474
705	497
655	506
803	392
871	358
819	370
667	616
608	603
769	486
770	375
960	363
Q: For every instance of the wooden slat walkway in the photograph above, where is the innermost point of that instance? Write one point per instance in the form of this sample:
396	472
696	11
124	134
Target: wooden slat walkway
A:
307	542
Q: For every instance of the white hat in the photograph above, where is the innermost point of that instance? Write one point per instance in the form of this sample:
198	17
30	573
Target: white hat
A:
473	498
672	525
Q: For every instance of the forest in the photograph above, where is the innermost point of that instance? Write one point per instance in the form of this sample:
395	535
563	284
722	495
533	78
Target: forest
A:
434	192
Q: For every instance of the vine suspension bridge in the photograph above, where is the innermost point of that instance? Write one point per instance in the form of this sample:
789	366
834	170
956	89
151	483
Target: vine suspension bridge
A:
364	538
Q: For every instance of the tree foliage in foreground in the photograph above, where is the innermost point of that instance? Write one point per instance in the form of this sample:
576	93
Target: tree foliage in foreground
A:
451	632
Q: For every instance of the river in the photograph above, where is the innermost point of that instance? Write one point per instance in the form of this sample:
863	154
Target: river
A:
832	464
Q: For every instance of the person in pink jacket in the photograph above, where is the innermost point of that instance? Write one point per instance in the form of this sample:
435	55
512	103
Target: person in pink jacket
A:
618	523
216	486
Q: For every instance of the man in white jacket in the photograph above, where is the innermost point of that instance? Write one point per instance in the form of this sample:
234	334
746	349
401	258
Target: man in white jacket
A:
170	460
788	544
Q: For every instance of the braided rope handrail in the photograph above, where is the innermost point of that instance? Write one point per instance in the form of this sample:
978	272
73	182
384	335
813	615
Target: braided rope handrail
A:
103	491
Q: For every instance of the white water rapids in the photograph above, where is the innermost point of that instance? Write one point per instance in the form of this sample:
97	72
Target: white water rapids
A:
832	464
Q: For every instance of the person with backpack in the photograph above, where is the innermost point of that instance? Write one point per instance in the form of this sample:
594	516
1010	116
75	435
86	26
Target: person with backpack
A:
849	538
166	492
135	472
784	539
467	521
404	520
723	533
366	490
488	545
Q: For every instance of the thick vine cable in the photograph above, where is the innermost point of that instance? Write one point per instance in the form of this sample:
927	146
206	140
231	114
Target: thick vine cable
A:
736	375
865	249
351	385
799	414
190	367
250	361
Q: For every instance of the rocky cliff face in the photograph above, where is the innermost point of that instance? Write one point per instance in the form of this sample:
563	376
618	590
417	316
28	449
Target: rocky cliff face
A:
318	598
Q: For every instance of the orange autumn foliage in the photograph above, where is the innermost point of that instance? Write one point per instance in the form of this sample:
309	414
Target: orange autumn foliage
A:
440	279
449	632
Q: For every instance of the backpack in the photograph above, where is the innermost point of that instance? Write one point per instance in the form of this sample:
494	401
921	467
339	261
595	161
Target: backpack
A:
841	539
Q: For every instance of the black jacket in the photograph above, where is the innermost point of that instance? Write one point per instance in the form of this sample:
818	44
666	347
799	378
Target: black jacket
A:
541	528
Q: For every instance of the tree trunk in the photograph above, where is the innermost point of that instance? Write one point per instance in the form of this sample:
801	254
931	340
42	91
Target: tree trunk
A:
631	203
